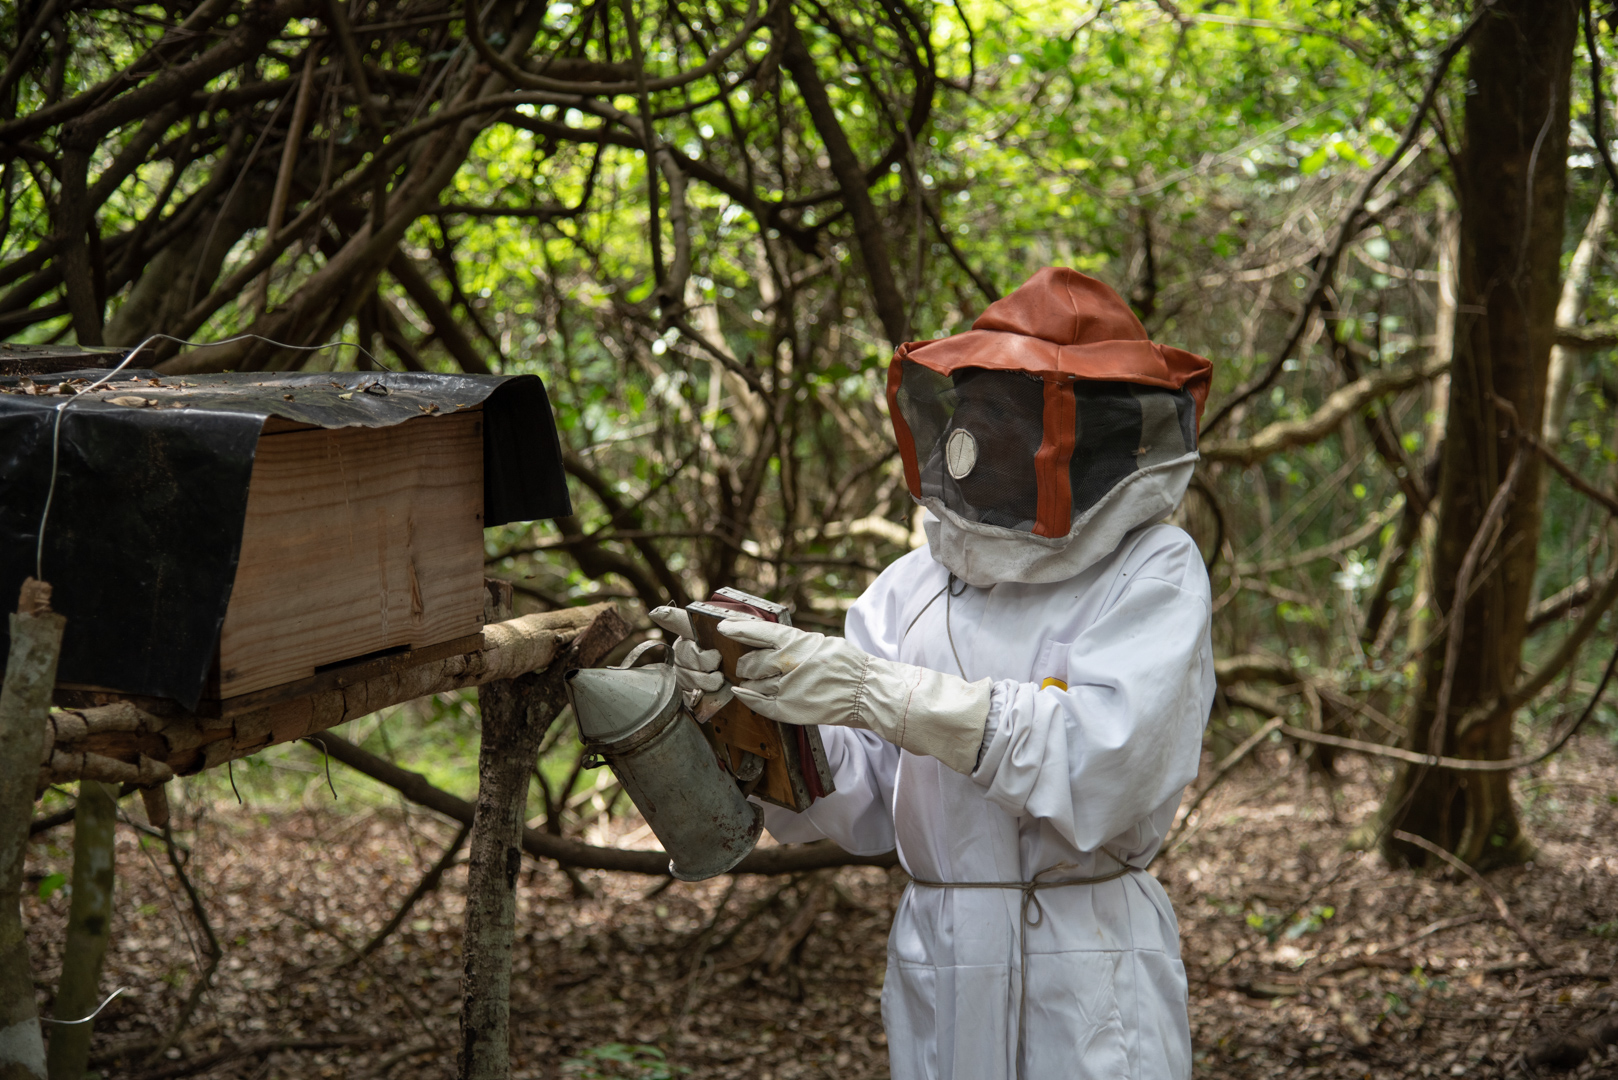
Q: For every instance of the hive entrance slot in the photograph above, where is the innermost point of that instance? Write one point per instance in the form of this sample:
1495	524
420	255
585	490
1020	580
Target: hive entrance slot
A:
321	669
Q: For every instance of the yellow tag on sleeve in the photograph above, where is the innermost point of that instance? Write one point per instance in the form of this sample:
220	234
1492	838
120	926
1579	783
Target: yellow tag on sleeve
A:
1058	683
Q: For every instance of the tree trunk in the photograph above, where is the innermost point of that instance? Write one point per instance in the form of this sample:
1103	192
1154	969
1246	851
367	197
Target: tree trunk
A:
516	714
25	699
1570	312
89	927
512	729
1512	188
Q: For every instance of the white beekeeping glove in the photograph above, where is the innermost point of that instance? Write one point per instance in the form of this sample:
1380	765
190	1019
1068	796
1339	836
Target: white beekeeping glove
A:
802	678
694	668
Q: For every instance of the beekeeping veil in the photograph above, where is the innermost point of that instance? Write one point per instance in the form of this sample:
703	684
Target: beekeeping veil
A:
1043	435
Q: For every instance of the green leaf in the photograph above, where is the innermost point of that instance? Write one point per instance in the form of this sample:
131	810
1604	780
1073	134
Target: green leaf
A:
49	884
1346	151
1312	164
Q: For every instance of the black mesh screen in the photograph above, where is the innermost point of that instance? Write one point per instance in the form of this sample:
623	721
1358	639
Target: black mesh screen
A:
1187	410
1003	411
1119	429
1108	439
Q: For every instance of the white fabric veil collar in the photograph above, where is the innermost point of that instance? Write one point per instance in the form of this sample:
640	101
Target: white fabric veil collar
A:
987	555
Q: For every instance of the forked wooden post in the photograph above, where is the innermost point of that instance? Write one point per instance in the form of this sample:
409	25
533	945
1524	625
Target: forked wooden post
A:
516	714
25	699
89	929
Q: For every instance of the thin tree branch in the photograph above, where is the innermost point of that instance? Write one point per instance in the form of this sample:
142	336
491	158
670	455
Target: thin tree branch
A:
1352	222
413	786
1493	894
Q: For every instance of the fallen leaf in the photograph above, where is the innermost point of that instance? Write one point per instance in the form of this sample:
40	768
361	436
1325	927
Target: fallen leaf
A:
127	399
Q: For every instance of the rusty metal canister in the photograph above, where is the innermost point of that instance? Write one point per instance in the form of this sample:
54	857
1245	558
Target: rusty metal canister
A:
632	718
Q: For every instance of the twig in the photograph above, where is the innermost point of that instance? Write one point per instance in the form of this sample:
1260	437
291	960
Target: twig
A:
1342	866
802	924
1499	901
410	1006
254	1048
1221	771
1597	107
569	852
174	902
1465	764
211	950
700	947
1482	540
1566	471
427	884
759	907
1365	960
46	822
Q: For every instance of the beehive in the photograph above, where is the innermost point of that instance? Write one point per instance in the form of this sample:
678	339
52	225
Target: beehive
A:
358	543
225	541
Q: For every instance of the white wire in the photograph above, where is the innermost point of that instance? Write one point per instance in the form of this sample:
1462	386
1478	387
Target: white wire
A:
86	1019
56	430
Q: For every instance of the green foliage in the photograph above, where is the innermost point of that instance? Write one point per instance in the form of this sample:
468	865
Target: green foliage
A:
50	883
622	1061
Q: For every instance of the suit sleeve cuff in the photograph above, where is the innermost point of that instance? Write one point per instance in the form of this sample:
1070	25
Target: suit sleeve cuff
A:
996	734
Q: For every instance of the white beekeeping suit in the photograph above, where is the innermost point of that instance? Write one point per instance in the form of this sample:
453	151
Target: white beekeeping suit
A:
1021	702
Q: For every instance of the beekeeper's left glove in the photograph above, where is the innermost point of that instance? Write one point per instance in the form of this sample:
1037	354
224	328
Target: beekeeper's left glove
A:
694	668
802	678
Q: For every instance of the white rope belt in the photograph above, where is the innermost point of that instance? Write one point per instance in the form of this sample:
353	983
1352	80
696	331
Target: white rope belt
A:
1033	914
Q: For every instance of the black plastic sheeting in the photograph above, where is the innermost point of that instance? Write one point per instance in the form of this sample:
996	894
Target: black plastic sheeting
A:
146	521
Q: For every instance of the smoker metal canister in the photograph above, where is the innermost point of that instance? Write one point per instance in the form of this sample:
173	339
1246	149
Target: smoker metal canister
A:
632	717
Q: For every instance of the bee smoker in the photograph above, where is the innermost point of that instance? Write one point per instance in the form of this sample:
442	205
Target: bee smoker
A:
632	718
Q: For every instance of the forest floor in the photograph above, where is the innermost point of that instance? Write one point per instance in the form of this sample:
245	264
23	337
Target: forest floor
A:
1305	959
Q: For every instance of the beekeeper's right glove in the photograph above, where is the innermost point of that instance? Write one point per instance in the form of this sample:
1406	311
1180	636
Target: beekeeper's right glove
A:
798	677
694	668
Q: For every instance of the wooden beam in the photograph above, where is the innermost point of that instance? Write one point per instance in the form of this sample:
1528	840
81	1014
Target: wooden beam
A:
516	714
127	743
89	929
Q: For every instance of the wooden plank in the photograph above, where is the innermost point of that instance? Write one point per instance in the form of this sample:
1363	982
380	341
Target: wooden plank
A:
348	674
81	696
356	540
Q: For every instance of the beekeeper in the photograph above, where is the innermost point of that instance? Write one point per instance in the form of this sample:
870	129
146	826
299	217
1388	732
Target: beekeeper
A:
1019	706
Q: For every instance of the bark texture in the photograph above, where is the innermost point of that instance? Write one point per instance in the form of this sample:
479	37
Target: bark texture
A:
516	714
126	743
89	928
25	698
1511	177
514	721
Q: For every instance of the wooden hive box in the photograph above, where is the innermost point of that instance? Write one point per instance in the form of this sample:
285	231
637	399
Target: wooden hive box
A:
226	541
358	543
